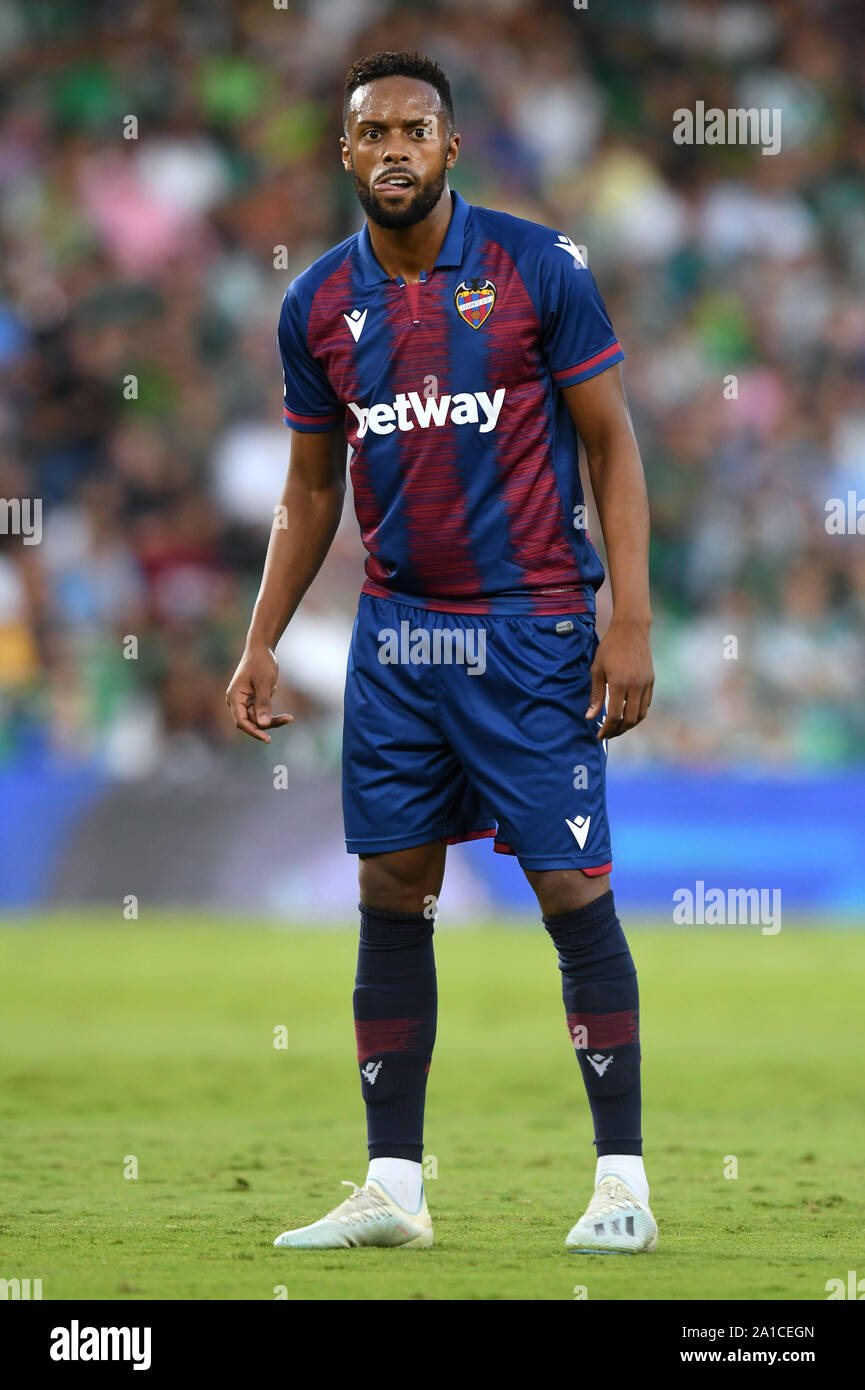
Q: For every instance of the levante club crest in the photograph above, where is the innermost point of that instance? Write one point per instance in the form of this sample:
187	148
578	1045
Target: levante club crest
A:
475	300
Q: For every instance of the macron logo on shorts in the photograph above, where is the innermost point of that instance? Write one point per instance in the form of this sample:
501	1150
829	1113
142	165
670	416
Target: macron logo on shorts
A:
579	828
408	409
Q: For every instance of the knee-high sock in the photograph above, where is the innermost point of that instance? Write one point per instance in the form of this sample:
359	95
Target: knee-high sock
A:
599	989
395	1008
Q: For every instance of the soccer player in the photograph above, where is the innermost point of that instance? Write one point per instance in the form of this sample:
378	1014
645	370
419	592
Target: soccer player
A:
462	351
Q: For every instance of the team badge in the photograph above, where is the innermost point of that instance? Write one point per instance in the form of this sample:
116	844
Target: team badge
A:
475	300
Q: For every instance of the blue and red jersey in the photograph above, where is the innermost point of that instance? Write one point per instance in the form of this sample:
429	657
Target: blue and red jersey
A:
464	457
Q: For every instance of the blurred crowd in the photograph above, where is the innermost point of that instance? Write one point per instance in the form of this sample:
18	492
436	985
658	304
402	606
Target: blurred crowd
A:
142	392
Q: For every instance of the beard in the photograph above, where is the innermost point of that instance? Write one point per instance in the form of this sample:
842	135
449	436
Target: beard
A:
426	195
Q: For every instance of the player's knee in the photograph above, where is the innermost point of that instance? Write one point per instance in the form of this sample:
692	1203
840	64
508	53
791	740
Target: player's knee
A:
565	890
403	881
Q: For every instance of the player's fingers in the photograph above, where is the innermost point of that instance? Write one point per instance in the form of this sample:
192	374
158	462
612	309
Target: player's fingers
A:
238	704
612	725
261	705
636	705
609	729
244	719
237	699
598	691
246	726
631	715
645	701
261	714
242	702
259	711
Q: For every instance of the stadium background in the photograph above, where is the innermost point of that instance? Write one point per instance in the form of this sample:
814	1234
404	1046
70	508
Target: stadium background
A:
155	257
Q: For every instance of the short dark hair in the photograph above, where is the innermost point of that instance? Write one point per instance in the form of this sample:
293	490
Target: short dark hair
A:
388	63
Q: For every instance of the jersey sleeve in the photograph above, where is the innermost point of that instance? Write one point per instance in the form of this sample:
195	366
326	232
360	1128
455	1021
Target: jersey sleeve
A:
577	335
309	401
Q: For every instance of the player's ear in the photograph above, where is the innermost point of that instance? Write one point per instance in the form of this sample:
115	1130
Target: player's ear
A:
453	150
346	154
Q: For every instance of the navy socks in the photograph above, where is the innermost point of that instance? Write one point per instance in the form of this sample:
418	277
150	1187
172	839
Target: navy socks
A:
599	989
395	1007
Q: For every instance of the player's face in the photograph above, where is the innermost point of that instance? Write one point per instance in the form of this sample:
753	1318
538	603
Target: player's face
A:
399	149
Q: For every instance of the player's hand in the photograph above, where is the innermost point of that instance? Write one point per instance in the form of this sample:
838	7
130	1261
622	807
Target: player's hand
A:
250	692
623	662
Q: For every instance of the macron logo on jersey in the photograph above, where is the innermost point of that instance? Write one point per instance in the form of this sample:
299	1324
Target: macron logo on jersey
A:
462	409
355	321
564	243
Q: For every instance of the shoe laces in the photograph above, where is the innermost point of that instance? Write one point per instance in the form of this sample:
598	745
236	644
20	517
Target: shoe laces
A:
611	1195
362	1201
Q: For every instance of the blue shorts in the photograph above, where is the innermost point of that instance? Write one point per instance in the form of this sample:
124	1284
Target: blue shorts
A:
459	726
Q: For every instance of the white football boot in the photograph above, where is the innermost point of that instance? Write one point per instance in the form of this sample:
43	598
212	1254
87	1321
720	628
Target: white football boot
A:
370	1216
615	1222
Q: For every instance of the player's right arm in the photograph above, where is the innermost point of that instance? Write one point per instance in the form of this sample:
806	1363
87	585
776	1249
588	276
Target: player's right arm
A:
304	526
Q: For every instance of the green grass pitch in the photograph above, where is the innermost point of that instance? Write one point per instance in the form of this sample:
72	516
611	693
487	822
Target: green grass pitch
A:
155	1039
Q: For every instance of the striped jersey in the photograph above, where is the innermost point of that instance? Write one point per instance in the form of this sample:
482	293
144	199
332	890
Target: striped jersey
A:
464	461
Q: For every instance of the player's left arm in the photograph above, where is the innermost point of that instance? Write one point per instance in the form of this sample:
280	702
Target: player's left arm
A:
623	661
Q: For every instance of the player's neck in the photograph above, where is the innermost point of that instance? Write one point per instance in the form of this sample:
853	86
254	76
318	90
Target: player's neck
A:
406	251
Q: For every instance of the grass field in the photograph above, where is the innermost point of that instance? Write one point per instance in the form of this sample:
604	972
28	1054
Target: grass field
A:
154	1039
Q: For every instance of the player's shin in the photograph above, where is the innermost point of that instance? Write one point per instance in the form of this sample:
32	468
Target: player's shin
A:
599	989
395	1008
